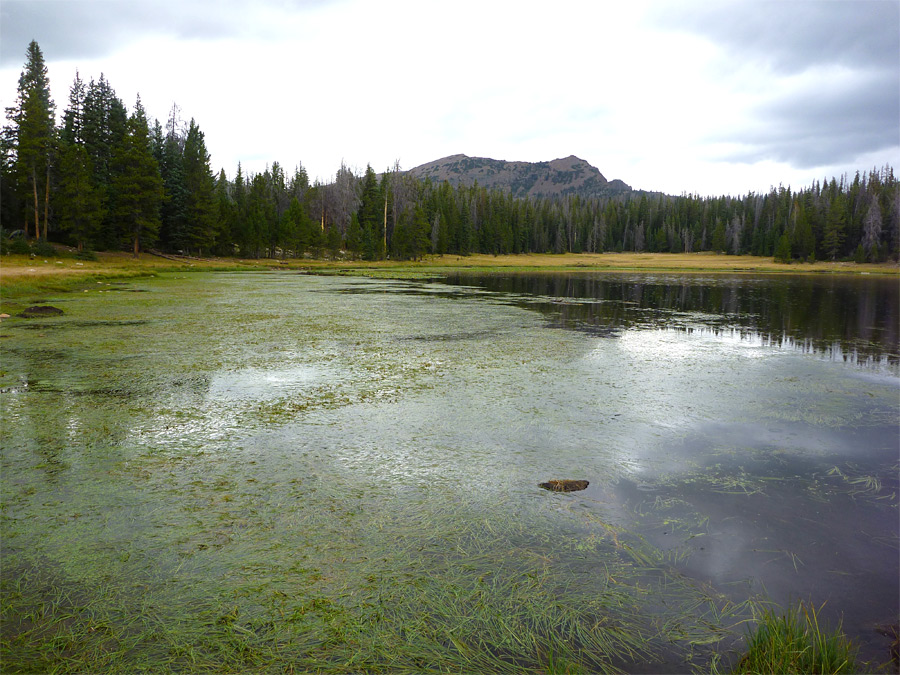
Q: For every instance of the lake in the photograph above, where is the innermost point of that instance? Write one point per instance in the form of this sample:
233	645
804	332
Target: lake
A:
233	471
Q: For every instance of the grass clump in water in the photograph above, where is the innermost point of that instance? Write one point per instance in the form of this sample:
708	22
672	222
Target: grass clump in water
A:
793	642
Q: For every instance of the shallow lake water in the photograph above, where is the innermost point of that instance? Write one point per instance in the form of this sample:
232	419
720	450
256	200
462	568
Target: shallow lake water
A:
259	470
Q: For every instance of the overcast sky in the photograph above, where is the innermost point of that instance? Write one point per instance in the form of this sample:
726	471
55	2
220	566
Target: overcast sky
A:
708	97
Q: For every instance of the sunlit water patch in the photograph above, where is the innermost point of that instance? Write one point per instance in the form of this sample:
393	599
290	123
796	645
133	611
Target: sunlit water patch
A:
257	384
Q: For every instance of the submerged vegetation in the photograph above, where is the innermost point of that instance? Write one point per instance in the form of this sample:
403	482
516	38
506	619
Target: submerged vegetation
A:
464	595
287	485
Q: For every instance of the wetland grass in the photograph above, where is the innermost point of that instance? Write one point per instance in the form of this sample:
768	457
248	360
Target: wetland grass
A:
793	641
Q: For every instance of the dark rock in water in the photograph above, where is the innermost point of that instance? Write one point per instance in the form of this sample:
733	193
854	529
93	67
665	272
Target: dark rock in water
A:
564	485
39	311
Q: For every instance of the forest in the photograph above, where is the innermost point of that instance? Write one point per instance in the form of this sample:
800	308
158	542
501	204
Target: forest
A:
104	178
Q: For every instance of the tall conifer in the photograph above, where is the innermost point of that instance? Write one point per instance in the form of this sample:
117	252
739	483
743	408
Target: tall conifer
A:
200	186
34	131
136	185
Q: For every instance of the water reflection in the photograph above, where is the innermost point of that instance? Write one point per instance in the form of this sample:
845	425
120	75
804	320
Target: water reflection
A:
853	319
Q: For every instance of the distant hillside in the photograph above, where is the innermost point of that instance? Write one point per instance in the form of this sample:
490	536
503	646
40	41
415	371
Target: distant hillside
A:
567	176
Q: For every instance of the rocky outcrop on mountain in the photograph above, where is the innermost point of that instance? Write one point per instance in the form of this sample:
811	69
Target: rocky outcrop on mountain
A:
559	177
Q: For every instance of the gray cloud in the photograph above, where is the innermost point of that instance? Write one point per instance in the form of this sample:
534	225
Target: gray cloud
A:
827	123
823	128
72	29
795	35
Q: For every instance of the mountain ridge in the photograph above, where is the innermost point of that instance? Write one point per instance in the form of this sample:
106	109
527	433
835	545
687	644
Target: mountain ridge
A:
558	177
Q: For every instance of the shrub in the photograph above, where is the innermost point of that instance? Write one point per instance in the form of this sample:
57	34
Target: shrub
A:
85	254
43	249
18	246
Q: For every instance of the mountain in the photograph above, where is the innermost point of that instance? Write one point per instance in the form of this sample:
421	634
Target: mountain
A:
558	177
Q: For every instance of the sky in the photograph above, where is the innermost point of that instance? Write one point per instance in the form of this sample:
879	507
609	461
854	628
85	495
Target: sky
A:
689	96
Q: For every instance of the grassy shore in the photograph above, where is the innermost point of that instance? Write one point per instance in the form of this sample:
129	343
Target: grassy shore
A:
22	277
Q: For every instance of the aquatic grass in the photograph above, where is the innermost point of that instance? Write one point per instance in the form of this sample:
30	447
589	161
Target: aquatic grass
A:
166	517
453	593
859	483
792	641
783	553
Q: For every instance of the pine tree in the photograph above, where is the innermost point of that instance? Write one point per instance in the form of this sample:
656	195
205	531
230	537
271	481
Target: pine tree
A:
104	124
371	216
174	216
157	142
223	215
11	208
410	240
238	219
783	249
835	225
34	132
136	185
719	243
260	215
299	226
73	116
200	185
77	202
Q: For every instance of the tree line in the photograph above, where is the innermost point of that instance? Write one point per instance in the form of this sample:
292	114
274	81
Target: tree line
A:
105	178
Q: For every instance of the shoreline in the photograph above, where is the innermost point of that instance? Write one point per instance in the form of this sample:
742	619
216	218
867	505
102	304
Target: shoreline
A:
22	276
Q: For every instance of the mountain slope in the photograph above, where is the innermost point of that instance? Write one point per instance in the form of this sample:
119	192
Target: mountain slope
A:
569	175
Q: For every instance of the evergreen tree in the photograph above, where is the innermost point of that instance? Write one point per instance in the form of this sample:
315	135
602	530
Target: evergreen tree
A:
260	215
174	228
371	216
103	126
783	249
238	220
200	185
410	241
157	142
11	208
299	183
34	133
804	243
224	208
835	223
719	243
302	228
77	202
73	116
136	187
103	130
